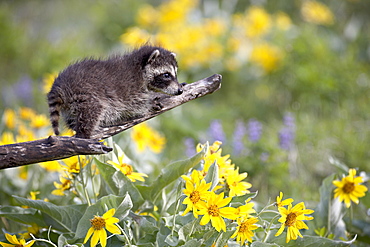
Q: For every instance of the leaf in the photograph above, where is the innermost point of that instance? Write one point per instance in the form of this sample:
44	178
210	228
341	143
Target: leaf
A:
192	243
63	218
243	198
172	172
22	215
261	244
120	203
212	175
120	184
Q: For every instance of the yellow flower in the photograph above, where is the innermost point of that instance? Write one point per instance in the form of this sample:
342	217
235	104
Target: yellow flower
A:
26	113
48	81
196	191
61	187
51	166
127	170
14	242
214	210
74	164
39	121
349	188
292	218
9	118
317	13
98	227
236	185
135	36
282	21
7	138
266	56
244	229
280	202
245	210
257	22
144	136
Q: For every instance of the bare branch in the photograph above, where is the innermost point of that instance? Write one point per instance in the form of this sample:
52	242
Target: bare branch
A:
60	147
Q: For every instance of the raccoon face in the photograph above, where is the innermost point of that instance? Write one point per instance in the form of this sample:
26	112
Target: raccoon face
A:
160	72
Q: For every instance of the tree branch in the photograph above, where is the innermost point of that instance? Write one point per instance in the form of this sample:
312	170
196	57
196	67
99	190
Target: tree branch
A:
60	147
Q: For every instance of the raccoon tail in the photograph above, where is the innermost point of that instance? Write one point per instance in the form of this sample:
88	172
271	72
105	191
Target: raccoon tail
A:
55	102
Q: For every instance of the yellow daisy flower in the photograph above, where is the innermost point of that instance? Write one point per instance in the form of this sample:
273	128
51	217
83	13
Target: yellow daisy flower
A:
214	210
196	191
61	187
98	227
292	218
244	230
144	136
280	202
74	164
349	188
14	242
127	170
236	185
245	210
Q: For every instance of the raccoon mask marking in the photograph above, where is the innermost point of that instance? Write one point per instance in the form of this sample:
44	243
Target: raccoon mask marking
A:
98	93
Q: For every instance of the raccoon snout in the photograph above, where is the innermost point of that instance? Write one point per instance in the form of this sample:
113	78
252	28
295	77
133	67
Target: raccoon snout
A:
180	91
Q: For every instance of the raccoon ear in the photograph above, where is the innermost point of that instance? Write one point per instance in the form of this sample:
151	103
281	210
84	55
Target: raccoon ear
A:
173	54
153	56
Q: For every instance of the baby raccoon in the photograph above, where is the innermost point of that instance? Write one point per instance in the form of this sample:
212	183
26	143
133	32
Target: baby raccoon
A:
99	93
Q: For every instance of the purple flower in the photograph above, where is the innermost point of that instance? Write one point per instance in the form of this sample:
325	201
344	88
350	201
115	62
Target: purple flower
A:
239	133
254	130
216	131
287	133
189	147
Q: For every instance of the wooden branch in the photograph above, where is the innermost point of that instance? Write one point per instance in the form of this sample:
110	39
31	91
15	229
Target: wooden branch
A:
60	147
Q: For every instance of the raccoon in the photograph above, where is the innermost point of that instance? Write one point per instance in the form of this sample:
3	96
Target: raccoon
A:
95	93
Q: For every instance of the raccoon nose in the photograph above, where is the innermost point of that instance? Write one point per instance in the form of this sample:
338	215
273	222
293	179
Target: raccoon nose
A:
180	91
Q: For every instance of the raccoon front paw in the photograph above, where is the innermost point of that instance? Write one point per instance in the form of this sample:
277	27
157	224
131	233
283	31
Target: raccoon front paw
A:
157	106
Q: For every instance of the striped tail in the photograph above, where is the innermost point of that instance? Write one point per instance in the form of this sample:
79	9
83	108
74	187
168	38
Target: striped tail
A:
55	102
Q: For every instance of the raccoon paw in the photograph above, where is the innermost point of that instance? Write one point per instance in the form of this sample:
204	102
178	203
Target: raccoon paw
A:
157	106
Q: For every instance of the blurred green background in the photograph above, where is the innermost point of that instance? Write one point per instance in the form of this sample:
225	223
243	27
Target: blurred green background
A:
290	70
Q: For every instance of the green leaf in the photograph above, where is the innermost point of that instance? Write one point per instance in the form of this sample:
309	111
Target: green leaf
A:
212	175
243	198
120	184
192	243
63	218
261	244
22	215
172	172
120	203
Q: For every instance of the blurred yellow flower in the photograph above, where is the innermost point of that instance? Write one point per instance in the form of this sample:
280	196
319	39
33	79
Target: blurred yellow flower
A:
282	21
26	113
196	191
280	202
266	56
65	184
127	170
214	210
98	226
51	166
7	138
40	121
48	81
14	242
9	118
144	136
292	218
244	230
147	16
257	22
349	188
317	13
135	37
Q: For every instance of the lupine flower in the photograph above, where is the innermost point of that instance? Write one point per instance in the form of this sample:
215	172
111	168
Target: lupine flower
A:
14	242
244	230
98	226
254	130
292	218
240	131
214	210
349	188
287	133
189	147
216	131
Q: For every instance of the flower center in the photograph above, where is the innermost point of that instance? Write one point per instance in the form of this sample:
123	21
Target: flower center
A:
290	219
18	245
348	187
213	211
126	169
194	197
98	223
243	227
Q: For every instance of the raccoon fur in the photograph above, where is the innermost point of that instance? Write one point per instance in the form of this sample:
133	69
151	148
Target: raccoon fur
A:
95	93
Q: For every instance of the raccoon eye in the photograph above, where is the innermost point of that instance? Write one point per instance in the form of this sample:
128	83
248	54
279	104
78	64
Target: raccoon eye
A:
167	75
